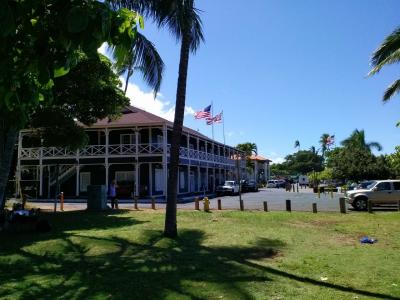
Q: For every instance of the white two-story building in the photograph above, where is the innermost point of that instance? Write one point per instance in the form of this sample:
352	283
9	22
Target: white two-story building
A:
133	150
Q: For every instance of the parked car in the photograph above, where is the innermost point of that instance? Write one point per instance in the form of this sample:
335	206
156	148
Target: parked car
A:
379	192
271	183
281	183
230	187
249	186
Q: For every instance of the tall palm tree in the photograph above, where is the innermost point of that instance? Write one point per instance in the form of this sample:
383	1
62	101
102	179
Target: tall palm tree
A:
182	19
388	53
323	141
297	144
357	140
142	56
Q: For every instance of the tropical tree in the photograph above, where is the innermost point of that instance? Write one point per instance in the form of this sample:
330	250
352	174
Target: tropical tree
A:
249	149
141	56
323	141
357	140
40	42
182	19
297	144
387	53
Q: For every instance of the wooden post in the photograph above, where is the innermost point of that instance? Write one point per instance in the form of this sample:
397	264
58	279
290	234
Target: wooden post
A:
219	204
265	206
297	187
370	206
314	208
153	203
135	201
196	204
288	205
319	193
342	204
241	205
293	188
332	193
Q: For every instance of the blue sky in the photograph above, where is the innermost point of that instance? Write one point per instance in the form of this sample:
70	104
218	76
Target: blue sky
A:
284	70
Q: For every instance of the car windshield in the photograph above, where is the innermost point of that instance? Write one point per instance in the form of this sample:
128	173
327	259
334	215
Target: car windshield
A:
229	183
371	185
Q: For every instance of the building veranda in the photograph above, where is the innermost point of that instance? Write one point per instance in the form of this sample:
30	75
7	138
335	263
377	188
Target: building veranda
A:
133	150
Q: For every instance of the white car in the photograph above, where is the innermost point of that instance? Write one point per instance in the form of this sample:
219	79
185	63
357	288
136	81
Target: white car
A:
230	187
379	192
271	183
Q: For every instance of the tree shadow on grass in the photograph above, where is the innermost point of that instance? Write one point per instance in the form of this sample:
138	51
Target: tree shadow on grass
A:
150	267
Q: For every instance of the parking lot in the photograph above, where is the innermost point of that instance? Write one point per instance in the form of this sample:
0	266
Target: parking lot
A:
276	198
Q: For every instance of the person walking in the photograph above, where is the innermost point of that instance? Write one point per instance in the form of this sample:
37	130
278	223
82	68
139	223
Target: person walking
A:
112	191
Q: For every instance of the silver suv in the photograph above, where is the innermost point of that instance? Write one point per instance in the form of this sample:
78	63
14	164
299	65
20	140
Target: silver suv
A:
379	192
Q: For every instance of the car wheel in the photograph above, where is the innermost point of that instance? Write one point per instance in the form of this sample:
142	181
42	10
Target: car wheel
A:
360	204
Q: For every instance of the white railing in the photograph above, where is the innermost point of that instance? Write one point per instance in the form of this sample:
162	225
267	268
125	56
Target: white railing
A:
93	150
57	152
122	149
31	153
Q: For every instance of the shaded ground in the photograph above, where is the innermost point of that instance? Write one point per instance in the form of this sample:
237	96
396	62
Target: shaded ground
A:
219	255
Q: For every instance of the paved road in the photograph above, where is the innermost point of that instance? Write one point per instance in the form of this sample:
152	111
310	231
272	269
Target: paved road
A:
276	198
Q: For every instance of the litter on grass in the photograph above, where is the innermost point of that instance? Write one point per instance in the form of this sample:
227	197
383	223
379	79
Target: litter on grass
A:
367	240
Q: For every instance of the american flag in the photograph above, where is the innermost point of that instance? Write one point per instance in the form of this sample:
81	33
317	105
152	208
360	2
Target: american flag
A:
205	113
330	140
215	119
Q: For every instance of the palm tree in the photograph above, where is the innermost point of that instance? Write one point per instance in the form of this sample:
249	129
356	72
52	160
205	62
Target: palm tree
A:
297	144
248	148
388	53
357	140
324	141
182	19
142	56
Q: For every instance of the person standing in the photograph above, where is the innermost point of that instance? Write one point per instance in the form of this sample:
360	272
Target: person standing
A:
112	191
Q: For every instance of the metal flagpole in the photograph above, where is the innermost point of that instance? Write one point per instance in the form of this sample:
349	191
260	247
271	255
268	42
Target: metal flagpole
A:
212	116
223	125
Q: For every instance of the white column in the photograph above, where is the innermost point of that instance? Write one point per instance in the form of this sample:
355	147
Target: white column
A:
188	165
150	179
41	172
18	171
165	158
77	181
137	162
255	170
106	158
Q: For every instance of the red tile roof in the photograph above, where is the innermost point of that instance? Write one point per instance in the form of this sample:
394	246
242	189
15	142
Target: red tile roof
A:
133	116
259	158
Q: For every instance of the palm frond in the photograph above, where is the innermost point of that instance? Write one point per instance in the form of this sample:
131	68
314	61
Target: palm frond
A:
179	16
375	145
392	89
387	53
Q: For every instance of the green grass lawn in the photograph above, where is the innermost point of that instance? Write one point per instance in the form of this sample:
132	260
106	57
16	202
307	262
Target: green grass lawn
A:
218	255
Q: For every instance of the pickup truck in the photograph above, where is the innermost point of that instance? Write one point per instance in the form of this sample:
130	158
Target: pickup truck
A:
379	192
230	187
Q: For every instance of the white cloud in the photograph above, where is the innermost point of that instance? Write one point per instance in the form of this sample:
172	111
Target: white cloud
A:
276	158
157	106
146	100
103	49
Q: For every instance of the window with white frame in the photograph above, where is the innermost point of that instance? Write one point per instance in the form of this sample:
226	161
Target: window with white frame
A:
124	176
84	181
159	180
159	139
127	139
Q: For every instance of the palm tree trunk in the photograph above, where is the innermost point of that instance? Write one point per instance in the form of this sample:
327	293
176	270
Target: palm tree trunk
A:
170	228
8	136
127	78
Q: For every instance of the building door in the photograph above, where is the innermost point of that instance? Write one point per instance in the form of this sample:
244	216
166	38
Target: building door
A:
192	182
84	181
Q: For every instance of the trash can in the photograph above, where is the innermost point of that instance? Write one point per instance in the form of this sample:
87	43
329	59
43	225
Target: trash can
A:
97	198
